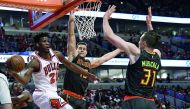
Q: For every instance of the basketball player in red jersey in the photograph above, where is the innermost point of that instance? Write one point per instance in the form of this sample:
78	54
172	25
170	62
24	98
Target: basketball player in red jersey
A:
144	64
75	85
44	68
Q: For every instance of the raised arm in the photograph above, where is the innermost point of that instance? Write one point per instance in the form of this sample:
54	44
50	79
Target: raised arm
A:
117	41
149	19
150	27
104	58
75	68
71	41
33	65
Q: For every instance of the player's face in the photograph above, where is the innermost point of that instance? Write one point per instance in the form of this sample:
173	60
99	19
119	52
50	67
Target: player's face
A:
141	42
18	88
82	50
44	44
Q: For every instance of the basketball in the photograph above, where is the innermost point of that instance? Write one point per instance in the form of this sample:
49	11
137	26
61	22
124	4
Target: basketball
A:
15	63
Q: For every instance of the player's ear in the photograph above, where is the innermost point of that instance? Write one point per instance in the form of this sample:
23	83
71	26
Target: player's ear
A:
144	43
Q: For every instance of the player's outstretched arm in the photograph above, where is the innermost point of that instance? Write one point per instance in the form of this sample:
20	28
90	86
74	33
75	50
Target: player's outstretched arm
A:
117	41
105	58
32	66
150	27
71	40
149	19
75	68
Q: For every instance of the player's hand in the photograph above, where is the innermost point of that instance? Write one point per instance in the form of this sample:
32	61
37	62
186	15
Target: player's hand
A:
72	16
108	13
93	77
149	19
149	16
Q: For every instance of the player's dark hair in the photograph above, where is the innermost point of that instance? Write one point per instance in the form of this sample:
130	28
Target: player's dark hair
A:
39	36
81	43
151	38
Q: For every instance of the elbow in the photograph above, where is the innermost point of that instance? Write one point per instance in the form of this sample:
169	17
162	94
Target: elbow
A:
105	32
108	36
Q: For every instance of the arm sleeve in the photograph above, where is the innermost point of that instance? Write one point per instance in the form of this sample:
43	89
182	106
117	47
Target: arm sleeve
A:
5	96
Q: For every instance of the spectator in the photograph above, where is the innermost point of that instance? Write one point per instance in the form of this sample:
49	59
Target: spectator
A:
21	97
168	78
5	98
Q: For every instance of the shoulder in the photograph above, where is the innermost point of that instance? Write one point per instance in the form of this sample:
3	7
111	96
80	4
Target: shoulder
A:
157	52
34	64
3	76
133	57
59	55
3	79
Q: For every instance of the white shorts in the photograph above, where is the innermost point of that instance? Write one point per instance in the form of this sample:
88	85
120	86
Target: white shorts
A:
42	100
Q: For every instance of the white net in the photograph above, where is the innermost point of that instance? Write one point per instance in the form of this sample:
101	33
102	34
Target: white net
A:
85	17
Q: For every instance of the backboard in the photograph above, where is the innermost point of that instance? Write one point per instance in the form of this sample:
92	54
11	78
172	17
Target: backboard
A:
43	12
39	19
45	5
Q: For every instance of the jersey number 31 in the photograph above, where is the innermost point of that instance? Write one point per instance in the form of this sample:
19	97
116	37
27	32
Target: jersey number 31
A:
149	77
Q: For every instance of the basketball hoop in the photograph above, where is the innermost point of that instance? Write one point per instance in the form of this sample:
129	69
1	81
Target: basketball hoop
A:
85	17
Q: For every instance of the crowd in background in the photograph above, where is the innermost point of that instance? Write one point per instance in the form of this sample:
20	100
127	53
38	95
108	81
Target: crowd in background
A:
179	8
96	46
177	91
180	95
171	8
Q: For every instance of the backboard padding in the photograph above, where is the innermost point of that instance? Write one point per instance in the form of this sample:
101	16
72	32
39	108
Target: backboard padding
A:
49	17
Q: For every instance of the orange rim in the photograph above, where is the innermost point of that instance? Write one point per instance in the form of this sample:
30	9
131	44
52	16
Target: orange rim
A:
91	8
